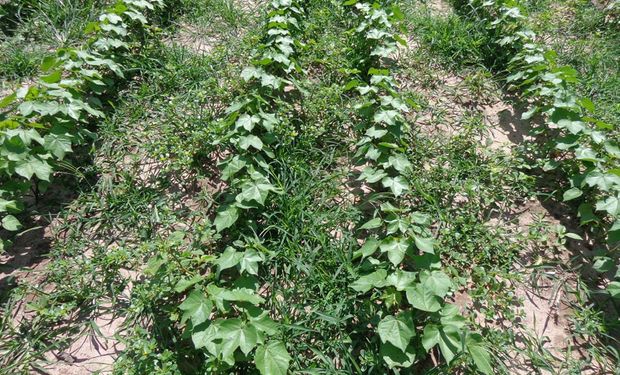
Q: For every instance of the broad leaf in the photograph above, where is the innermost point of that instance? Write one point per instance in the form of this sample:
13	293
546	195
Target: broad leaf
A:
611	205
396	184
437	281
396	249
370	246
250	140
33	166
423	298
425	244
397	331
571	194
603	181
401	280
196	307
228	259
249	262
373	280
58	145
10	223
272	358
226	217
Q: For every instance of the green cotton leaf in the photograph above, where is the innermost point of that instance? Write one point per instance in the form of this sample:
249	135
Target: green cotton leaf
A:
530	113
251	72
264	323
372	223
10	223
399	162
401	280
397	331
395	102
268	80
430	336
396	224
396	249
394	357
226	217
248	338
437	282
611	205
586	214
370	246
603	264
48	63
605	181
420	218
397	184
425	244
373	280
574	127
375	132
383	51
272	358
233	166
203	337
247	122
249	262
228	259
586	154
235	334
571	194
196	307
479	353
33	166
449	342
255	191
567	142
613	235
614	289
269	121
423	298
372	175
184	284
386	117
11	206
227	335
241	295
54	77
612	149
58	145
250	140
373	153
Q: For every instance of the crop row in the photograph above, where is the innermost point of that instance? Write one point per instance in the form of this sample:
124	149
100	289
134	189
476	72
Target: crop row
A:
404	271
41	123
223	318
584	148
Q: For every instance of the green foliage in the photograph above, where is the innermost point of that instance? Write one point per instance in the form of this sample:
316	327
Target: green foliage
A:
410	287
41	122
250	139
585	148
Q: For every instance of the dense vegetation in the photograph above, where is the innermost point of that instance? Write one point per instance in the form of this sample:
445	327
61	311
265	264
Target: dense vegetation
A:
309	186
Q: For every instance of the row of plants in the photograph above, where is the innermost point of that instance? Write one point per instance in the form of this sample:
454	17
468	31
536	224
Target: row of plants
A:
578	145
42	122
224	309
403	282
